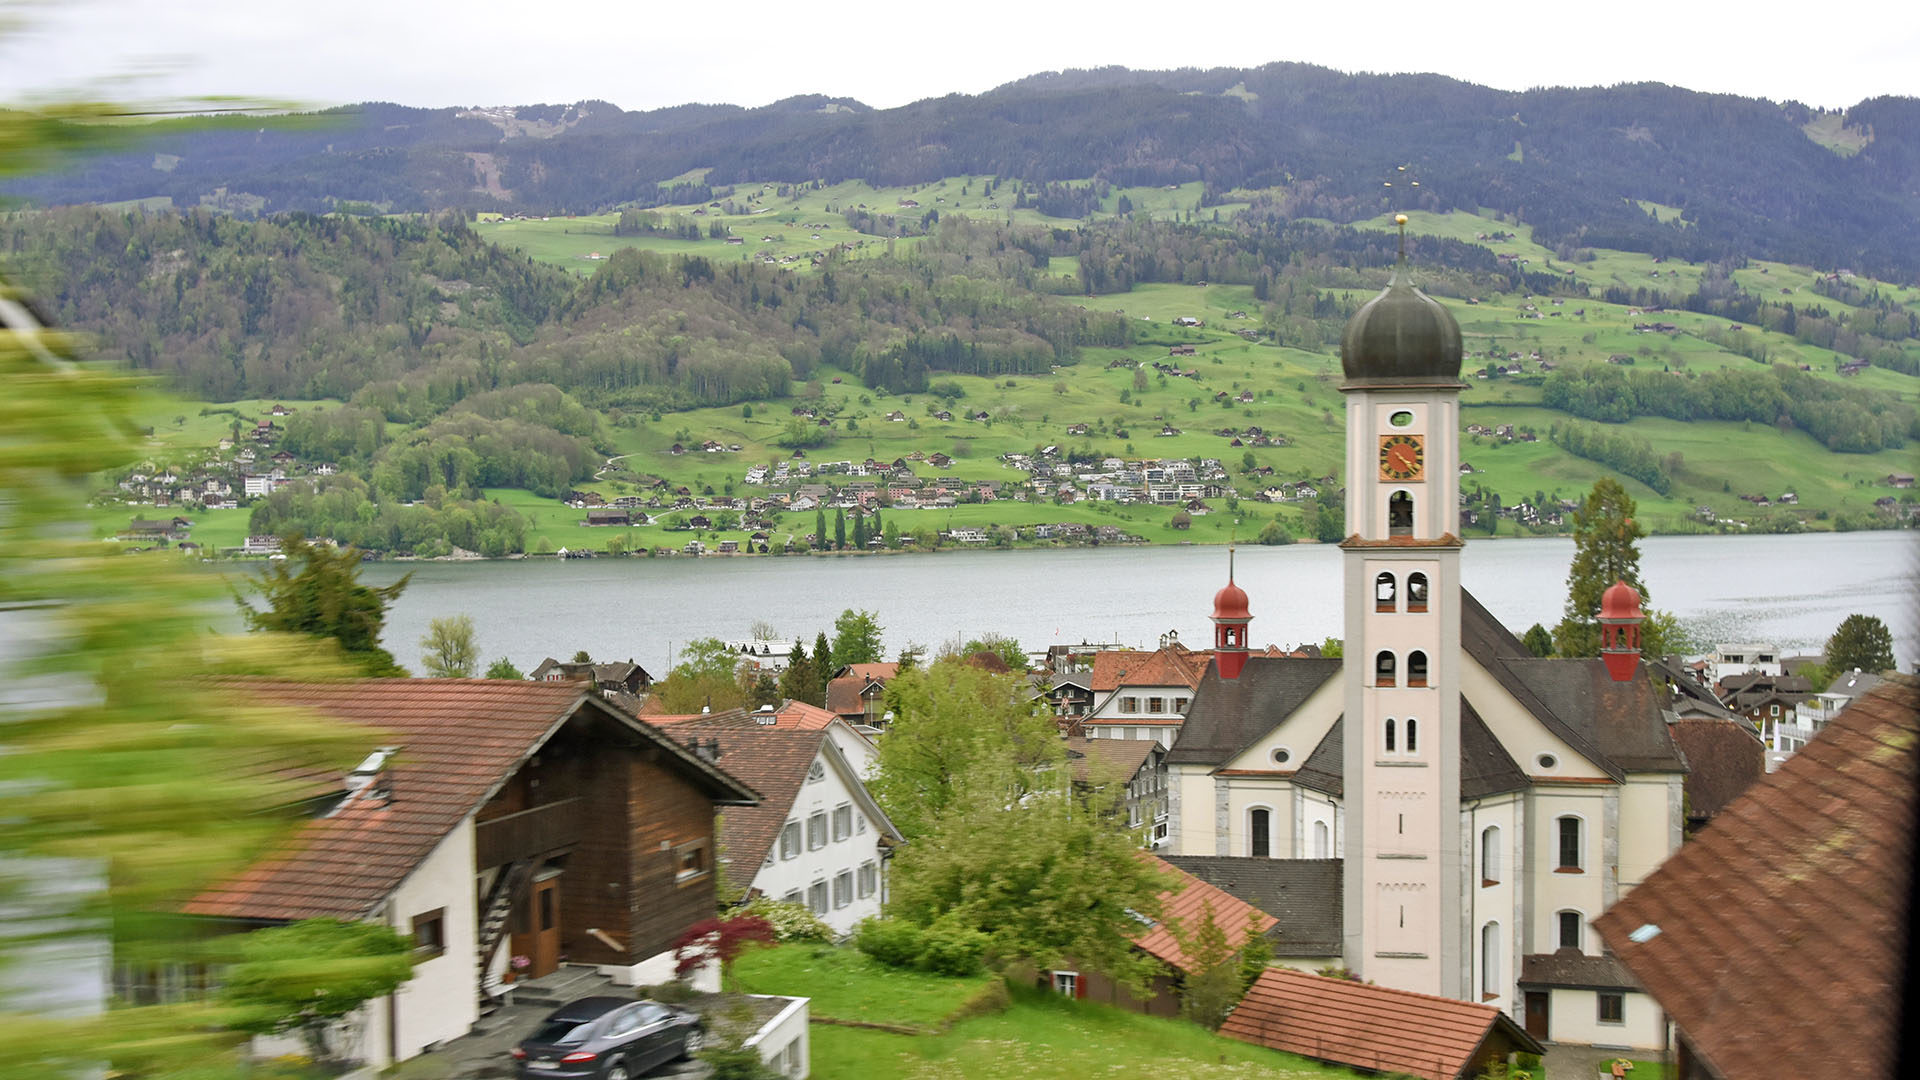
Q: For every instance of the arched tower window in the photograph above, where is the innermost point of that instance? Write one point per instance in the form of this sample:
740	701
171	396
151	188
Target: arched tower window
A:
1400	514
1260	832
1416	668
1383	593
1413	735
1383	669
1416	592
1490	960
1389	731
1490	855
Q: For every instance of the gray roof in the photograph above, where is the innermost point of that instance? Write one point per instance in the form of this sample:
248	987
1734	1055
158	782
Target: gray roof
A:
1324	769
1228	715
1303	894
1619	726
1485	766
1571	968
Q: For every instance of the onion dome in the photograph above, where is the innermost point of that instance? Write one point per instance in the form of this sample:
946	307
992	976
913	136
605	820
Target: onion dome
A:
1402	336
1620	601
1231	602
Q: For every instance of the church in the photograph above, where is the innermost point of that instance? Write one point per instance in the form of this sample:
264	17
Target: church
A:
1436	811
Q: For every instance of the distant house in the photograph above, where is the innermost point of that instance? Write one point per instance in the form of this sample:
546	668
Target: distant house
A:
609	517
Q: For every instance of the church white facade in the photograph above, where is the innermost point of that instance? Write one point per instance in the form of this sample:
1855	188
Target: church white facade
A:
1485	805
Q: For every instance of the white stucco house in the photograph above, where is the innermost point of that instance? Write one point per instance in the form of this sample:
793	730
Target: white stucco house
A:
1143	695
492	819
817	837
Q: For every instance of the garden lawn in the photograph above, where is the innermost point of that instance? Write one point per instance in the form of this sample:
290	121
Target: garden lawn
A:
846	984
1045	1036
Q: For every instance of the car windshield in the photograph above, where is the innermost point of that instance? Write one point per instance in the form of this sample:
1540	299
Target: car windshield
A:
564	1032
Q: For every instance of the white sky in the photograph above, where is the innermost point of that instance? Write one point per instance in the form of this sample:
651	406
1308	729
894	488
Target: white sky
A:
642	54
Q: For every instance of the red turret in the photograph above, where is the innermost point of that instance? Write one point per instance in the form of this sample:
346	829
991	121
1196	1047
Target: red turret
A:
1620	619
1230	619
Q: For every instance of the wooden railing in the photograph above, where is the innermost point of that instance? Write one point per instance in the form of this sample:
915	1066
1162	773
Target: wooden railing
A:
529	833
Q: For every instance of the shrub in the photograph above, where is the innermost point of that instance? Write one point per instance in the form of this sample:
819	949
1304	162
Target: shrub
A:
894	942
790	921
948	948
672	992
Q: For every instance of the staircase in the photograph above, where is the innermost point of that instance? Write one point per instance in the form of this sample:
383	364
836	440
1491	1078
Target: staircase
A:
567	984
494	913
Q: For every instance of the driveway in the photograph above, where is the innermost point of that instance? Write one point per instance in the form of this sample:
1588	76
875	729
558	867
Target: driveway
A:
485	1054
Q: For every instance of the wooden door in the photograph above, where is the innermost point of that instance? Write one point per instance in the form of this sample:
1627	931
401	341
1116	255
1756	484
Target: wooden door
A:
545	946
536	929
1537	1021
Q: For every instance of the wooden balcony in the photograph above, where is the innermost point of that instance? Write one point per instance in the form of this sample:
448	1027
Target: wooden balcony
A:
543	830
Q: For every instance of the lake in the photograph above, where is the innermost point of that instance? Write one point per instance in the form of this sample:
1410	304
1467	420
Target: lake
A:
1787	590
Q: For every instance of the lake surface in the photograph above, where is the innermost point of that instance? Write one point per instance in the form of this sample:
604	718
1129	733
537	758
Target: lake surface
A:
1787	590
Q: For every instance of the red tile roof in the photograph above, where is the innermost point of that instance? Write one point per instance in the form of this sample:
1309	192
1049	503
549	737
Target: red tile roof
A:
1364	1026
1817	860
773	761
458	739
881	672
1186	904
843	695
804	717
1171	666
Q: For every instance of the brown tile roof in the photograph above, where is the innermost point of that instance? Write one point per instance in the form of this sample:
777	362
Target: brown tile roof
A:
843	695
1724	758
1186	903
1817	860
458	739
881	672
804	717
1107	760
1171	666
773	761
1367	1027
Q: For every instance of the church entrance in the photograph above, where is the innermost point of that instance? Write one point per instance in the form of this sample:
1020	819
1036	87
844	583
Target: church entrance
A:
1537	1014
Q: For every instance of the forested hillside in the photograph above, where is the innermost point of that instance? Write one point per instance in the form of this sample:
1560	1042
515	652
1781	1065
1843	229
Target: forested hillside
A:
1575	164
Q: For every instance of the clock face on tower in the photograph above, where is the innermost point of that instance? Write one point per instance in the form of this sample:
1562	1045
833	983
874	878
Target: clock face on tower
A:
1402	457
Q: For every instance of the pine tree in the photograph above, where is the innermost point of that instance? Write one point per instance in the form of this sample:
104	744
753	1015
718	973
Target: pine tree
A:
1605	550
1863	642
823	669
800	681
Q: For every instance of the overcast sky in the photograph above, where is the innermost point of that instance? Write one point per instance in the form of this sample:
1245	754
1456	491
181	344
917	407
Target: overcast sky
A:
642	54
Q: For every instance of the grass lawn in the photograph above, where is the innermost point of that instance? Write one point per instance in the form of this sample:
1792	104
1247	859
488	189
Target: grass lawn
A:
1044	1035
850	985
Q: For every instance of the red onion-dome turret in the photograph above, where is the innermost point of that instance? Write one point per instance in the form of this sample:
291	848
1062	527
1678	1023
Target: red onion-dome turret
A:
1230	619
1620	619
1231	602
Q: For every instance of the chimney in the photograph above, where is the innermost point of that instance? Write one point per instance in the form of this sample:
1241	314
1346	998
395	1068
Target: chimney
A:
707	750
372	778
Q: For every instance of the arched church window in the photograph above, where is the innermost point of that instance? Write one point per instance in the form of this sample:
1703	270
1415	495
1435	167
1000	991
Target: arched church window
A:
1413	735
1383	593
1400	514
1490	855
1416	591
1389	734
1490	960
1259	832
1383	669
1416	668
1322	847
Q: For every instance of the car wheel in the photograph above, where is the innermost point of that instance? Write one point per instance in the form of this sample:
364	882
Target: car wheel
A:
618	1071
691	1044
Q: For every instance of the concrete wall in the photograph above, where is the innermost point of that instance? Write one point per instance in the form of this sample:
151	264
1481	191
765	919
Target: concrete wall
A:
783	1043
441	1001
1575	1018
1650	825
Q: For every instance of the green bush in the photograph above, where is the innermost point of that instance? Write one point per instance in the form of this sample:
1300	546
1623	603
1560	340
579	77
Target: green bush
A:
947	948
893	942
672	992
790	921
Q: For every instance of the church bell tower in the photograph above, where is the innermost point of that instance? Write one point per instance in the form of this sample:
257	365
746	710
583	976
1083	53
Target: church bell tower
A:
1403	886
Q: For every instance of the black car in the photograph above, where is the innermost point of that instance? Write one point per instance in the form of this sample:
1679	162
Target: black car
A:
607	1038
